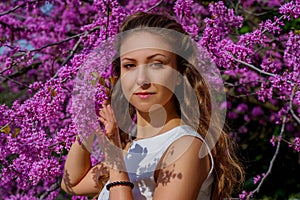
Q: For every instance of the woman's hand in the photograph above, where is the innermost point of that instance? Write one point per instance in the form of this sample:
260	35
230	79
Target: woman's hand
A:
111	129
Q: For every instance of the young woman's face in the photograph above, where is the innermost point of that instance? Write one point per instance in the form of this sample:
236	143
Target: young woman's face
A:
148	71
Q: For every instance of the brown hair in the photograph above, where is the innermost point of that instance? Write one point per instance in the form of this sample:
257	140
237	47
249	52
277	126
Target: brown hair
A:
228	173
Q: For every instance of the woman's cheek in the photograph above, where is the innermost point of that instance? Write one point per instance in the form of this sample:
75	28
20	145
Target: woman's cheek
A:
126	91
167	80
127	83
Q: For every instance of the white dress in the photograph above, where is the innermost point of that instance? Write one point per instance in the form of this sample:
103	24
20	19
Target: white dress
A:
143	156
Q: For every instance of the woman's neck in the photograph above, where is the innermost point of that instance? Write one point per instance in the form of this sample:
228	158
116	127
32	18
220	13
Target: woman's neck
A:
156	122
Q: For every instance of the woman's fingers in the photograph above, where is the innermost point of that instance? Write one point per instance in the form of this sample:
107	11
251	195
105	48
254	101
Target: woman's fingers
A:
101	119
104	113
104	122
106	116
111	113
107	113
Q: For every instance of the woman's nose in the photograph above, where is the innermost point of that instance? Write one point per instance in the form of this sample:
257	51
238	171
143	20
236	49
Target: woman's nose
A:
142	76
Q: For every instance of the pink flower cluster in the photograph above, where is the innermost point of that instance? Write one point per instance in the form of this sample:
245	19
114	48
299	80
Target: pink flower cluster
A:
257	178
296	144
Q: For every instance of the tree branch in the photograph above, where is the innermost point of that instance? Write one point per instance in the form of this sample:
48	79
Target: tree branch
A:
12	80
253	67
243	95
157	4
3	127
257	69
59	42
4	70
15	8
52	188
259	14
270	74
22	71
291	106
84	34
240	84
271	162
76	47
48	45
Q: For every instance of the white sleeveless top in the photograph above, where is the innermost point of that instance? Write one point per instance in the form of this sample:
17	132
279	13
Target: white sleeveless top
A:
143	156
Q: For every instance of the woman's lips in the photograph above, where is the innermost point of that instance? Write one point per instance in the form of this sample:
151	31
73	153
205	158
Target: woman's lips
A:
144	95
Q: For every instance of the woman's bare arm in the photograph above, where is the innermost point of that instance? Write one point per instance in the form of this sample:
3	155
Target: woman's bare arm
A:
79	177
182	172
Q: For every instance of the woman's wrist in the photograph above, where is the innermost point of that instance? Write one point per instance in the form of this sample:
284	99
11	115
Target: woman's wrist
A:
120	183
114	157
122	187
118	175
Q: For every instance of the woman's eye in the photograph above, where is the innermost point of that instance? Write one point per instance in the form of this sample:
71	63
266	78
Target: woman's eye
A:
156	65
128	65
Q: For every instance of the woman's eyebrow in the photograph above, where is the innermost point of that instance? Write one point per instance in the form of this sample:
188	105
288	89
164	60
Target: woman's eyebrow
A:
130	59
148	58
154	55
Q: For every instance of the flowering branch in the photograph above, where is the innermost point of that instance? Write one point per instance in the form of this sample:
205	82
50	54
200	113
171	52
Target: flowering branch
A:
3	127
271	162
4	70
157	4
59	42
14	8
12	80
291	106
257	69
258	14
52	188
76	46
280	18
74	49
253	67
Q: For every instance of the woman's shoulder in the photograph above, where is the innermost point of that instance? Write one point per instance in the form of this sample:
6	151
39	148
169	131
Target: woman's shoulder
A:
186	130
188	140
185	137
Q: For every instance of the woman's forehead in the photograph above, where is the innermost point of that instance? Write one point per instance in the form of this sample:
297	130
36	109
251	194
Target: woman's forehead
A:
148	53
144	40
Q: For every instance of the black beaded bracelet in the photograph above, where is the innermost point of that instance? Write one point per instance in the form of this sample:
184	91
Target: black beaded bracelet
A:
126	183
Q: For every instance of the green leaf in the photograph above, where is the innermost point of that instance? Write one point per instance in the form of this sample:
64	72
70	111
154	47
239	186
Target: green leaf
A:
244	29
5	129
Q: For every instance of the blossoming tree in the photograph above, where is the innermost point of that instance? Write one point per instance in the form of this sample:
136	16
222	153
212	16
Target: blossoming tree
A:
255	44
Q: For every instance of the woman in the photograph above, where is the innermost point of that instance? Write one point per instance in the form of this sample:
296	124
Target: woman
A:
174	153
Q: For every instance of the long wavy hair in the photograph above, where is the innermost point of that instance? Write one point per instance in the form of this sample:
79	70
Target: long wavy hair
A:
228	172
